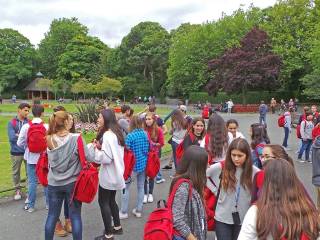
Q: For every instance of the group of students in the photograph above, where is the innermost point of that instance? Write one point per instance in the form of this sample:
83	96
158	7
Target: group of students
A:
216	156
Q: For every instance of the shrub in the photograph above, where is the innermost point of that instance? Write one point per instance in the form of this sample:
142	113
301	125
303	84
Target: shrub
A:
87	113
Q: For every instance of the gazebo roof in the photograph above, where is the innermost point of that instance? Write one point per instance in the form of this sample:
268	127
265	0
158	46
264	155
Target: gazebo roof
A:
33	86
39	75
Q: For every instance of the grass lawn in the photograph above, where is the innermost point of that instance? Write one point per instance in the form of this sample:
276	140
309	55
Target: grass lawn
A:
5	161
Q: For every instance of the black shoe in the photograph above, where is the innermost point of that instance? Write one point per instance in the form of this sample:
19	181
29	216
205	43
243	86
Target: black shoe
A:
117	232
103	237
167	167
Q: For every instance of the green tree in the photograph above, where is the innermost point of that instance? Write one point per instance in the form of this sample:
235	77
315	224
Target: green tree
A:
108	85
61	32
46	84
82	58
17	57
83	86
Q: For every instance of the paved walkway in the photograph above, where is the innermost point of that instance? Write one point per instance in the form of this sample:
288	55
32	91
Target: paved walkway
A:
17	224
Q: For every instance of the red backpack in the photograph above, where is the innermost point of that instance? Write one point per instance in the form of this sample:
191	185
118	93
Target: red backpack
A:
298	129
180	149
205	112
36	138
86	186
281	121
129	162
42	169
160	222
153	163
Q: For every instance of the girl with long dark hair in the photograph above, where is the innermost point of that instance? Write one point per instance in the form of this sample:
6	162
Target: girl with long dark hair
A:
259	138
109	151
189	218
235	180
283	210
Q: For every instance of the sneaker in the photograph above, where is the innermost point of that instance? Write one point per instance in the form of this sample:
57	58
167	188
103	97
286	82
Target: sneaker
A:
158	181
150	198
67	225
47	207
17	195
59	230
171	176
287	148
29	209
136	213
117	231
123	215
26	201
300	160
104	237
167	167
145	198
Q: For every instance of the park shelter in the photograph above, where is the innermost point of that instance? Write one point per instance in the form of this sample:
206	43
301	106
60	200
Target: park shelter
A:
35	91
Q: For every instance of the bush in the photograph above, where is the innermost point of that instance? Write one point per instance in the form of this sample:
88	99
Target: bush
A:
251	97
87	113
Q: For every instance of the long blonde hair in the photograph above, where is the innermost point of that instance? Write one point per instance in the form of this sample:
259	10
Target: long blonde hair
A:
58	122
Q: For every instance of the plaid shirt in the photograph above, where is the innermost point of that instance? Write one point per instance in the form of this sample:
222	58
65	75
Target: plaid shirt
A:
138	142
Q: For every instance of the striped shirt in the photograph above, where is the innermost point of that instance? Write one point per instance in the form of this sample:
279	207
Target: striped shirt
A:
138	142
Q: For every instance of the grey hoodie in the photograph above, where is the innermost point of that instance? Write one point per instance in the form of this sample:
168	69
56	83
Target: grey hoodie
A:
316	162
64	162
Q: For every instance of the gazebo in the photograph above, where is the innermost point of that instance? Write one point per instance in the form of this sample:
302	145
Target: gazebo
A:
34	91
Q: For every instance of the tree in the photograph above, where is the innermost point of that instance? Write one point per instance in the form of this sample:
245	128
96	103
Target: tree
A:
83	86
61	32
17	57
46	84
108	85
192	46
250	66
82	58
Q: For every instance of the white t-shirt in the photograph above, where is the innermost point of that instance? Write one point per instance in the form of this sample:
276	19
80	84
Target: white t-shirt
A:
231	138
230	104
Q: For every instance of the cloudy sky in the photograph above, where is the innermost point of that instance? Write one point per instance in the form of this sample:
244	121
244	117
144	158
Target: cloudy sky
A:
112	20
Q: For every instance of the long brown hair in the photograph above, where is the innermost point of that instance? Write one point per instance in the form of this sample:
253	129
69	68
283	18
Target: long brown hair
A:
153	127
218	135
284	209
229	180
279	152
193	166
58	122
194	122
135	123
178	120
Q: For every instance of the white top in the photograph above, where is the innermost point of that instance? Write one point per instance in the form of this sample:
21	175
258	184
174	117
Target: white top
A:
112	165
231	138
230	104
248	229
31	158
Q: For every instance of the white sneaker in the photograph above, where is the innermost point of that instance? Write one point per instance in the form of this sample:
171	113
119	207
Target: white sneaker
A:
26	201
17	195
150	198
145	198
160	180
123	215
136	213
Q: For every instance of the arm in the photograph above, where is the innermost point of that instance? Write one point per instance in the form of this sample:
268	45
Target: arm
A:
104	156
168	116
22	139
13	137
160	138
248	229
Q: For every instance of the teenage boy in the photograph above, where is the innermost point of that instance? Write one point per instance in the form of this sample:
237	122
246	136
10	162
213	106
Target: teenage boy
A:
16	152
31	156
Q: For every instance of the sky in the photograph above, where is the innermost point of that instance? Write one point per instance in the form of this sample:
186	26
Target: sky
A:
112	20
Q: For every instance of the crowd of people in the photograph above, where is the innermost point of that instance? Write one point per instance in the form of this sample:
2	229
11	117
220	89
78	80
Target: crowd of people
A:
256	189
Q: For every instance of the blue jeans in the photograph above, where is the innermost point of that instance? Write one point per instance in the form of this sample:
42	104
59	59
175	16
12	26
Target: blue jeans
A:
174	146
227	231
58	194
286	136
32	184
306	145
140	178
262	120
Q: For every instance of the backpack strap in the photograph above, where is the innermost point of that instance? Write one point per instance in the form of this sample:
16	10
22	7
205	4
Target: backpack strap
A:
175	188
82	157
14	122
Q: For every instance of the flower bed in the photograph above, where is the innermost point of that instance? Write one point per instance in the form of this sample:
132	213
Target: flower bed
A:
86	127
244	108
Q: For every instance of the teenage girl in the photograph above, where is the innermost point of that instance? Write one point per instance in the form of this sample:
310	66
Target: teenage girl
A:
283	211
196	133
259	138
235	180
156	139
233	133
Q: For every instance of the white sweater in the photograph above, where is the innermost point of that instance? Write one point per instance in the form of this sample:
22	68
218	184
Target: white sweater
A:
112	165
249	228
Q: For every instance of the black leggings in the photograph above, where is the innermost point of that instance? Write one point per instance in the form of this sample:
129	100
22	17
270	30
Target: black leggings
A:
108	208
227	231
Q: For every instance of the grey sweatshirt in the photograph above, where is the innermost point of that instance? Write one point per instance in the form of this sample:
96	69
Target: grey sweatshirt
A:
64	162
227	200
189	216
306	129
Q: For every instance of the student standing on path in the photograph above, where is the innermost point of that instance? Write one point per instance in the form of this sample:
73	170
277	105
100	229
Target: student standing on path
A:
263	109
124	120
230	106
137	141
283	210
235	190
233	133
32	157
16	152
64	169
273	105
287	129
109	152
306	136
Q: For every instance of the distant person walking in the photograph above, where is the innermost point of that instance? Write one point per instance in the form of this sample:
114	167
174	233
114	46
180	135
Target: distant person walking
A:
230	106
263	109
273	105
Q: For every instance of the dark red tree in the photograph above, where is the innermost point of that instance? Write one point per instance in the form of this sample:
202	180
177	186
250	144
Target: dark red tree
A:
252	66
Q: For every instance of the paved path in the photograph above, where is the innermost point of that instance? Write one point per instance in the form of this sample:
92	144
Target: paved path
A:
16	224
